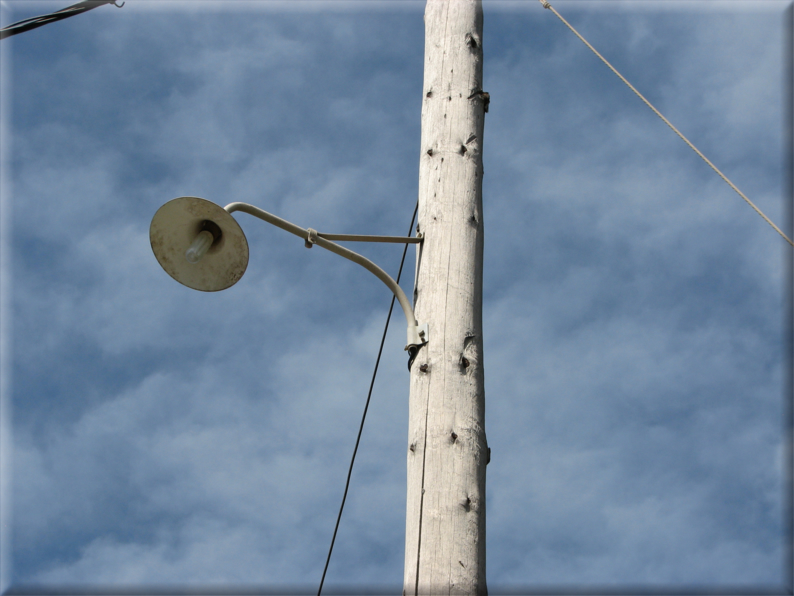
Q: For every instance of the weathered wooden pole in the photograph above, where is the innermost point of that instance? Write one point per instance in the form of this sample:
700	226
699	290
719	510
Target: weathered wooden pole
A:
447	453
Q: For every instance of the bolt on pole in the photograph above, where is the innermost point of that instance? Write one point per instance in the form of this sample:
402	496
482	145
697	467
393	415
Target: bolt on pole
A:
447	448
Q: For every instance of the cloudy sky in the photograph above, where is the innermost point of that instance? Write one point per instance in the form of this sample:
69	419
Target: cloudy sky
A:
636	330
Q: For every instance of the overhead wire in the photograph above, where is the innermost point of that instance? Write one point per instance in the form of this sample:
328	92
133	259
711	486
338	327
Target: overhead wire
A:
59	15
366	407
546	4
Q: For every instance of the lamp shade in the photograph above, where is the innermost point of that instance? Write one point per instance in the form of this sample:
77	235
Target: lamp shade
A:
174	228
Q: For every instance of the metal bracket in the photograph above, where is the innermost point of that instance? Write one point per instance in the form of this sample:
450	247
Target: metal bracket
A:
311	238
418	335
360	238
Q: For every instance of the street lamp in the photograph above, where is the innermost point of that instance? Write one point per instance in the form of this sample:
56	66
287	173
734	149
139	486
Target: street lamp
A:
202	246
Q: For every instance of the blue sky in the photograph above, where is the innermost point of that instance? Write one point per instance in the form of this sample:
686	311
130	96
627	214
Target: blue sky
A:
635	309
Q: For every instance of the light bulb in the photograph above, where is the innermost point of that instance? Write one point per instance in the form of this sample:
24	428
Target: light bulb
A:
200	246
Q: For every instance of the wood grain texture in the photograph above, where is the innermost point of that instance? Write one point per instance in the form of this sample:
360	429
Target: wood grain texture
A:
447	449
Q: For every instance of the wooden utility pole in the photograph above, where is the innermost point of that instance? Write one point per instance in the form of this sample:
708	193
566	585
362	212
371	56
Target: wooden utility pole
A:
447	452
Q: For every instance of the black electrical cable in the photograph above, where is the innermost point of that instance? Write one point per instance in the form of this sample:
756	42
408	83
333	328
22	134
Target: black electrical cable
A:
366	407
65	13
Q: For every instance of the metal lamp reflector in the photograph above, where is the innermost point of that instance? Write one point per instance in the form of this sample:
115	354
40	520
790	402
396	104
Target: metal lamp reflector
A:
199	244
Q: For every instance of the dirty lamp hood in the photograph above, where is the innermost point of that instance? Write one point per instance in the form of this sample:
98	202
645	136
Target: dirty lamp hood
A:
199	244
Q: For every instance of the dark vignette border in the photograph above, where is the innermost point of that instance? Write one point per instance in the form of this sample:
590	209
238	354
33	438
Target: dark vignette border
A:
786	589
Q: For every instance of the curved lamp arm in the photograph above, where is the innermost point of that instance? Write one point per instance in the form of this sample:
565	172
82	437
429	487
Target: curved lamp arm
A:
417	334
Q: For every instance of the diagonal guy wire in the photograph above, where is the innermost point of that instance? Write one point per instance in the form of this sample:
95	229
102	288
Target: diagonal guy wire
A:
546	4
366	407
